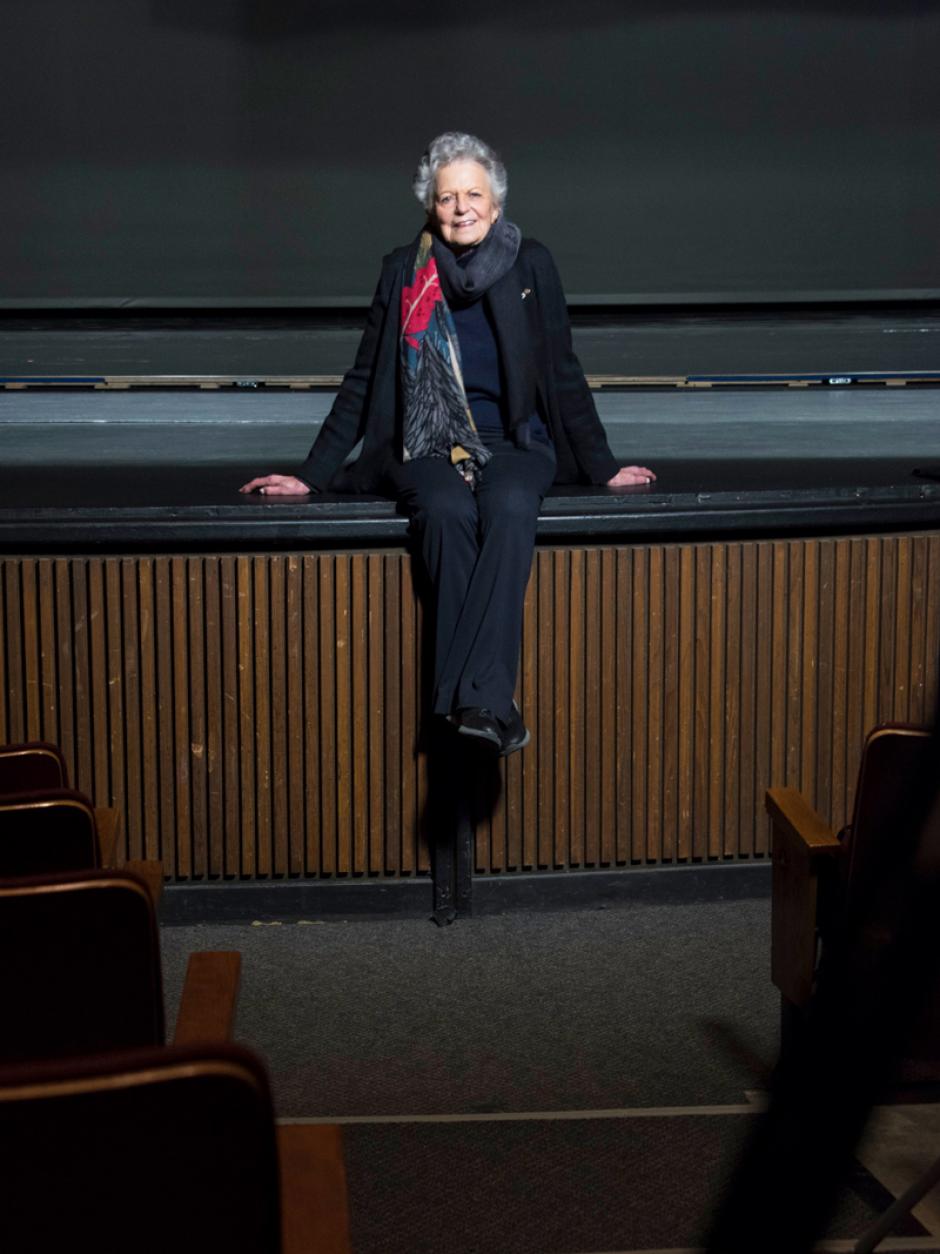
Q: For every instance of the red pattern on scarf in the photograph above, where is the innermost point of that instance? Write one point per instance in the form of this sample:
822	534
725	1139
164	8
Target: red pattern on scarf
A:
418	301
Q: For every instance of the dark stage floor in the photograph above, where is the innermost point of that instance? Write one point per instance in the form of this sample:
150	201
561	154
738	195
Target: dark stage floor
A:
160	465
755	340
165	466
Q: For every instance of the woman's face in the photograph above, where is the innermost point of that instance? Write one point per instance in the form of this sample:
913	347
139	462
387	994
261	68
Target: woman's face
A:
463	209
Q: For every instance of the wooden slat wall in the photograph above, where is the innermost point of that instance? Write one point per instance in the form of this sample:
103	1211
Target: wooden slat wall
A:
214	698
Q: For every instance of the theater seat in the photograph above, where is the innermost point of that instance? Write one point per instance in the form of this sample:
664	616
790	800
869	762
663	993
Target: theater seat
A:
80	956
46	831
38	766
842	911
822	879
45	826
31	766
164	1150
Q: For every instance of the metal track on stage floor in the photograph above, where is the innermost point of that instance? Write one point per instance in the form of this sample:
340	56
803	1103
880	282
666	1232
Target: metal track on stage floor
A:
681	347
598	382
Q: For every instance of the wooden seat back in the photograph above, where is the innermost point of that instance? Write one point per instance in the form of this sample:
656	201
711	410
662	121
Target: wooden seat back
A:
150	1151
893	759
80	957
896	768
32	766
43	832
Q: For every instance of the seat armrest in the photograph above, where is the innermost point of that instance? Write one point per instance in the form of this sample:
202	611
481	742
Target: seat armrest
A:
151	872
210	995
314	1196
107	825
803	847
794	819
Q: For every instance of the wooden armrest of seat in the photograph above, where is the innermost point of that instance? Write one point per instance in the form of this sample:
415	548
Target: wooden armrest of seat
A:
792	816
210	994
108	825
151	872
803	845
314	1197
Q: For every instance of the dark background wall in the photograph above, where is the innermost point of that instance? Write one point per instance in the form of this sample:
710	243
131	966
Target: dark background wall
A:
260	151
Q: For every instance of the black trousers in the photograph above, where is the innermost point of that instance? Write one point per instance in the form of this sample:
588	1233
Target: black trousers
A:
477	549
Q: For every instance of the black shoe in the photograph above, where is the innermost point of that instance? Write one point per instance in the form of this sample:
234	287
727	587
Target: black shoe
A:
515	734
476	720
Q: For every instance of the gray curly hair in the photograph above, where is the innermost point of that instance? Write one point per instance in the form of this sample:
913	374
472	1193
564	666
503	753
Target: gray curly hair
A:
457	146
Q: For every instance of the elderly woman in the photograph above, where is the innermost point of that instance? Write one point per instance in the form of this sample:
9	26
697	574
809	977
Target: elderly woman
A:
466	403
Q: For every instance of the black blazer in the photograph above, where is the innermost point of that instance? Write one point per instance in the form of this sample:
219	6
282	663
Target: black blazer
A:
541	371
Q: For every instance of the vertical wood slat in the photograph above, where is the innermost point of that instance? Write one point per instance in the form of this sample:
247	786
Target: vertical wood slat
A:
195	751
229	611
179	693
619	637
917	667
596	701
561	684
148	837
735	839
545	721
634	796
215	697
524	848
610	703
671	734
64	647
391	728
572	745
289	801
746	616
835	770
258	716
279	762
15	671
305	689
359	766
826	600
685	813
653	842
410	802
698	734
31	651
342	713
98	680
258	738
326	715
48	653
117	678
128	646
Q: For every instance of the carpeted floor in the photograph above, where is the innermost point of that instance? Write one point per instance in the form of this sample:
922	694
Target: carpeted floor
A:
650	1005
450	1054
554	1186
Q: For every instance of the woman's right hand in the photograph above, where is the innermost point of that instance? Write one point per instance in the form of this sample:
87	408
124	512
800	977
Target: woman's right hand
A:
276	485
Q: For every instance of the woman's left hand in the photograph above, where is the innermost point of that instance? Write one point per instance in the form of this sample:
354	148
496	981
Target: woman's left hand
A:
628	476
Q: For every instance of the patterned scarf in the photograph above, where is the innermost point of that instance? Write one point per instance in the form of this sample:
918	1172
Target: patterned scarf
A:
438	422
